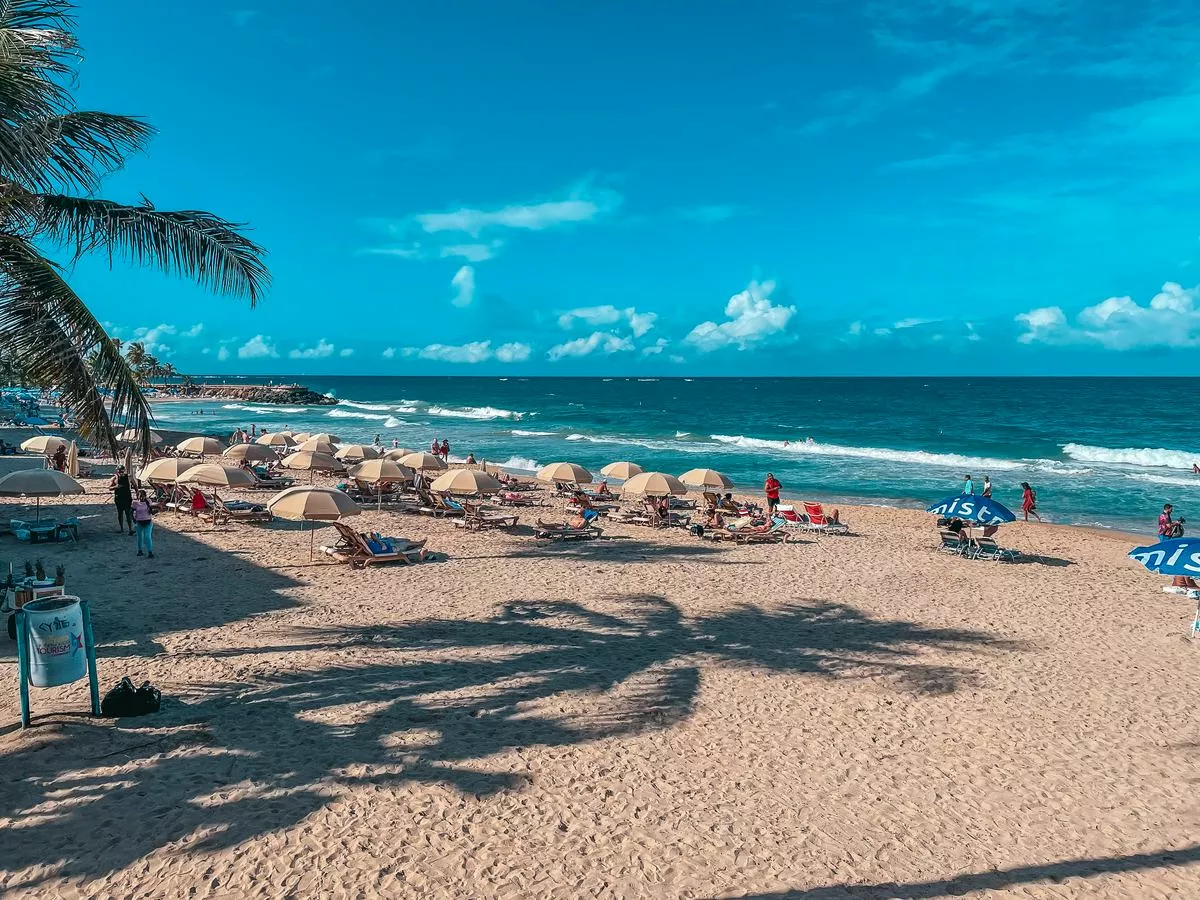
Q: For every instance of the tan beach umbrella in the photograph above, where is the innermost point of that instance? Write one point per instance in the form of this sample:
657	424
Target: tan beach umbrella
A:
357	453
73	459
132	436
275	439
316	445
465	482
397	453
423	461
706	480
312	504
252	452
381	471
312	461
563	472
621	470
654	484
214	475
46	444
38	483
205	446
300	436
326	437
166	470
287	432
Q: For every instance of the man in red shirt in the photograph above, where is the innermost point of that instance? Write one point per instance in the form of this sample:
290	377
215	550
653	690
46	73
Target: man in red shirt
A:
772	487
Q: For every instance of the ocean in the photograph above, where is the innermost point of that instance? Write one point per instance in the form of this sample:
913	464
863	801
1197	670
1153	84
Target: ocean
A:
1104	452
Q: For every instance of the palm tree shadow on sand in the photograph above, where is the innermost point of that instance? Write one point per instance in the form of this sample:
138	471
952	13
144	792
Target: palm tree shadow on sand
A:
422	702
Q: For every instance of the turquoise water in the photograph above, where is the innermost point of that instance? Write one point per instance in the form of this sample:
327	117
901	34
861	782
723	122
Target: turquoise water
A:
1099	451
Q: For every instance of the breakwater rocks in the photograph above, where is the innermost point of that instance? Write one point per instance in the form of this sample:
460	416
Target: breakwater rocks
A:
285	394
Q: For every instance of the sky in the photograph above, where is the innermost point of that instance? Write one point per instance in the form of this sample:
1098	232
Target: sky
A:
546	188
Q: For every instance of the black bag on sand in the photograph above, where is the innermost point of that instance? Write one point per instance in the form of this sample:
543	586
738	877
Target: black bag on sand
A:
125	700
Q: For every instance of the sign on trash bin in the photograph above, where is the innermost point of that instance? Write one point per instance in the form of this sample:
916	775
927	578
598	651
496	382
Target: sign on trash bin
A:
56	652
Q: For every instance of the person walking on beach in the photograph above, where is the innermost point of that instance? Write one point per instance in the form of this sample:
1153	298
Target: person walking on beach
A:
1167	526
445	450
772	487
987	486
122	499
968	485
1029	501
143	521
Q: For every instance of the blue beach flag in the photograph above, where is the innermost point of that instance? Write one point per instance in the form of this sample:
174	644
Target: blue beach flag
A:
973	508
1177	556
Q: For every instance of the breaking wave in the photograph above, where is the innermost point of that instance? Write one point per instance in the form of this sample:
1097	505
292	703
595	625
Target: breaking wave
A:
883	454
521	433
373	407
1135	456
473	412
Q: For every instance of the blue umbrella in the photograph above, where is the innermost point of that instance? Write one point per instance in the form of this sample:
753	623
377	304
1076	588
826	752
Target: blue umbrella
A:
1177	556
973	508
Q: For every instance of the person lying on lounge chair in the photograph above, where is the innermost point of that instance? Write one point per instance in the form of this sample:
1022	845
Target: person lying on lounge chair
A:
1186	582
714	519
727	504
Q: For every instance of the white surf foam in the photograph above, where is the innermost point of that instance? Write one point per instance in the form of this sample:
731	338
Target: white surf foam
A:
519	464
347	414
1135	456
518	432
1188	481
883	454
372	407
264	410
473	412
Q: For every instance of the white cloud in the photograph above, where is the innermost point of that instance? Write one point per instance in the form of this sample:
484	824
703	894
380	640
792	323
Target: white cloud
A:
257	347
639	323
914	323
598	341
655	348
751	318
346	351
223	354
474	352
152	338
194	331
472	252
514	352
389	352
1171	319
582	203
463	283
320	351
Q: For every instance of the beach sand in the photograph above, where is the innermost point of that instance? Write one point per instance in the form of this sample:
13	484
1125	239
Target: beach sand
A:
646	715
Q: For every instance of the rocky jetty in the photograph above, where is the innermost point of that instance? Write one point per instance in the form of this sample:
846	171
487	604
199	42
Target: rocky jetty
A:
285	394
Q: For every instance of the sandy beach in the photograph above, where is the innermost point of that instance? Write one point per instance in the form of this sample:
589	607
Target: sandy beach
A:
645	715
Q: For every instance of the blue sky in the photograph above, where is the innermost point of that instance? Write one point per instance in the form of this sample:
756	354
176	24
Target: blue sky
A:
1004	186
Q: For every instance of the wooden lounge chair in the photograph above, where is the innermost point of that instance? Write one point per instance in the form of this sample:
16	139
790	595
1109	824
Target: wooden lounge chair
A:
361	552
477	517
518	499
560	531
350	539
777	533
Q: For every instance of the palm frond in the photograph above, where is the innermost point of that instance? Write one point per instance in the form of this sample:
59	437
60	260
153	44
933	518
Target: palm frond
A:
192	243
76	149
37	56
49	330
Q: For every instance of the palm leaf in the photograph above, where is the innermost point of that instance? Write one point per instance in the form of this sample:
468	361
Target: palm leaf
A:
196	244
49	331
77	149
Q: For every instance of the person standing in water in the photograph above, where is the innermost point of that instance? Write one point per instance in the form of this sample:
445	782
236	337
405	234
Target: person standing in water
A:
968	485
987	486
1029	501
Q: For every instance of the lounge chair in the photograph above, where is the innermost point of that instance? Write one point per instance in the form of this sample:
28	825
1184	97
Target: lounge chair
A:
602	504
363	552
478	518
953	542
631	517
518	499
987	548
658	520
775	533
561	531
350	539
820	523
236	511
